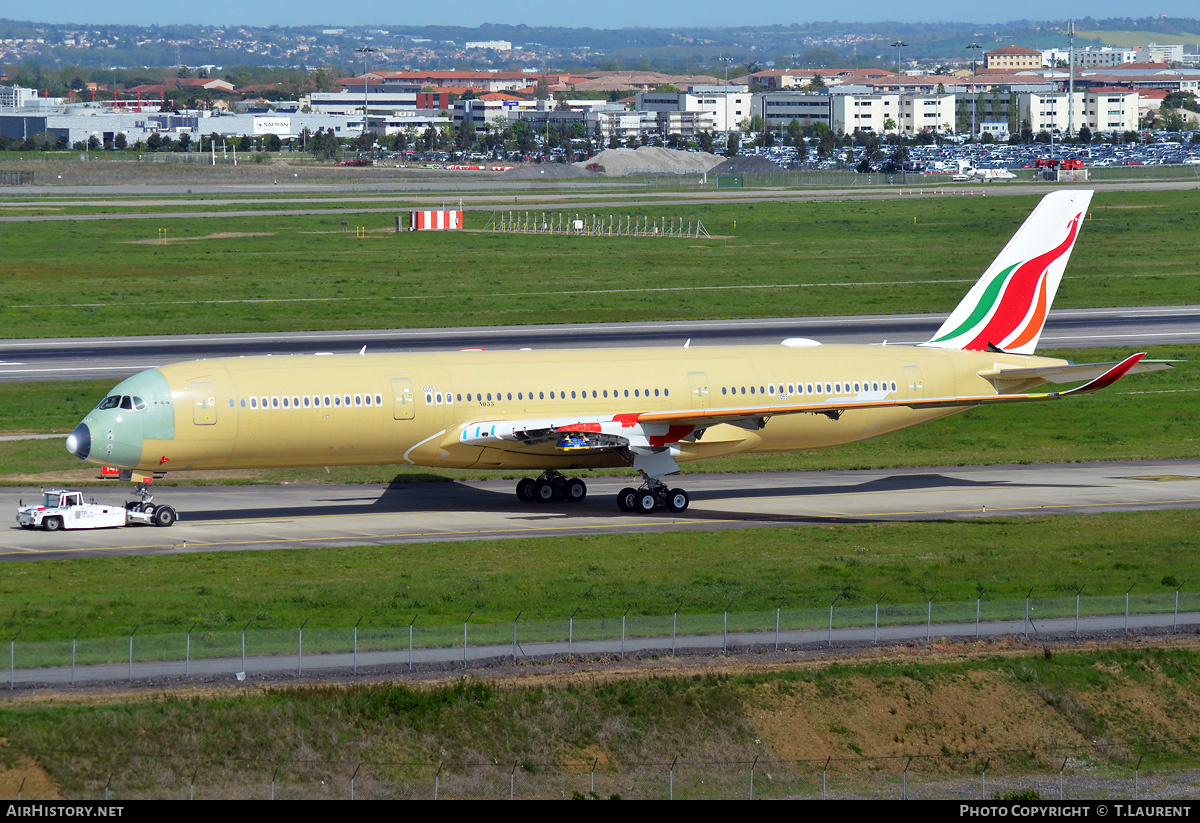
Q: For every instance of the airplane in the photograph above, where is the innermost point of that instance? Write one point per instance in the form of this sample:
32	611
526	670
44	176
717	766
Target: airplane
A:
966	171
645	409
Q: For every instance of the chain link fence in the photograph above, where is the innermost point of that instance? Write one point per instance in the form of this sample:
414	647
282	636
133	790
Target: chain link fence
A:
918	777
213	650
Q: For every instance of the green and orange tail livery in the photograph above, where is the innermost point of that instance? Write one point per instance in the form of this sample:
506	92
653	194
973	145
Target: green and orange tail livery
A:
1007	308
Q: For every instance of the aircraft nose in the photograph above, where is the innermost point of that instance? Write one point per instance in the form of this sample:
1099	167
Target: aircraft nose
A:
79	442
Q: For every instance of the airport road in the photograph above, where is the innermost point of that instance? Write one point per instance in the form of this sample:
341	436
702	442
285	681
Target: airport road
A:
118	357
224	518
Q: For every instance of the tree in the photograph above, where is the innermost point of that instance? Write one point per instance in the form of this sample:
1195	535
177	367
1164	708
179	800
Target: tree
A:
120	141
732	144
706	141
826	143
274	143
1085	135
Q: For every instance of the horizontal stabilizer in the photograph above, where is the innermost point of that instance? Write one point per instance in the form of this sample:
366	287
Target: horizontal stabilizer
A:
1071	373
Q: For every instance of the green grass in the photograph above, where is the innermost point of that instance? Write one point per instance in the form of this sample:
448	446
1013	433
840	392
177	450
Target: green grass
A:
87	278
1134	39
553	739
547	579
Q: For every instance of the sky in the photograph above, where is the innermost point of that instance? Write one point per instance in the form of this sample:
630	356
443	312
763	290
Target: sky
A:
608	14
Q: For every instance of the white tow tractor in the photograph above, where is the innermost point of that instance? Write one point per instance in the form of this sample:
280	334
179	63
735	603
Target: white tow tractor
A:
65	509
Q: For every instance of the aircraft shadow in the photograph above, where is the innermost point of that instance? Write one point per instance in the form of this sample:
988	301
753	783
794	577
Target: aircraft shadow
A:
422	496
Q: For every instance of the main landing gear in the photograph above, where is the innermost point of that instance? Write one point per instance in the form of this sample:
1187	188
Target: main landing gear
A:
550	487
652	495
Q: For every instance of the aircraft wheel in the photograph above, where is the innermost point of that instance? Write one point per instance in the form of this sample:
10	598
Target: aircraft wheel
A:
677	500
525	490
576	490
52	524
627	499
543	491
164	516
645	502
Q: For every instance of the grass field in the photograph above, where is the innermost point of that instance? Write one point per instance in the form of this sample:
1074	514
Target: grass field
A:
298	273
1099	714
1137	39
547	579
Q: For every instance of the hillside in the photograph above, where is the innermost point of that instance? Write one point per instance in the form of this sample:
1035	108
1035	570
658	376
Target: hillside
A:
948	711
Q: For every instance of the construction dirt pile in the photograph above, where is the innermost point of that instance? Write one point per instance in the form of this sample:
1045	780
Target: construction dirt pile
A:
649	160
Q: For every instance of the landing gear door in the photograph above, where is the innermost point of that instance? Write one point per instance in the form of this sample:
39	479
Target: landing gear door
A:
204	404
404	402
698	381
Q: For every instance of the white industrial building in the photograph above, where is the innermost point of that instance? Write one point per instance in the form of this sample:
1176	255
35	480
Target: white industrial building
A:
1099	110
728	105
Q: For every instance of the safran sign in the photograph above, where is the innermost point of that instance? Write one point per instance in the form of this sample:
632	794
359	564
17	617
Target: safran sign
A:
273	125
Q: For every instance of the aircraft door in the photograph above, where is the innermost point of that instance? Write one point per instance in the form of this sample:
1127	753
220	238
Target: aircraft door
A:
698	381
404	402
204	404
914	381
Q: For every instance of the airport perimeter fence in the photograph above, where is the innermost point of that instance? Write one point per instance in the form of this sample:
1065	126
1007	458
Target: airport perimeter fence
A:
978	776
207	650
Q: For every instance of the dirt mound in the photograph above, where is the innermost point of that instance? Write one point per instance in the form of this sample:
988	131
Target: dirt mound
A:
649	160
748	165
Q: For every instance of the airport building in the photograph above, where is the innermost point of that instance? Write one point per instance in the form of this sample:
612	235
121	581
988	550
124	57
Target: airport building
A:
1099	110
728	105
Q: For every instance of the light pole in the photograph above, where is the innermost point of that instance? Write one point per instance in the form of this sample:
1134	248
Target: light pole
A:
365	51
974	49
726	61
897	45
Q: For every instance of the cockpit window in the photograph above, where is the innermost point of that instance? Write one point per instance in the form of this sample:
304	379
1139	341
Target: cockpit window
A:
127	402
139	403
110	402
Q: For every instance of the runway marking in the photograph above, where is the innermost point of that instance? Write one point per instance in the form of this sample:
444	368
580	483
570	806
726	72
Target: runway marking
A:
73	369
373	537
1160	478
623	524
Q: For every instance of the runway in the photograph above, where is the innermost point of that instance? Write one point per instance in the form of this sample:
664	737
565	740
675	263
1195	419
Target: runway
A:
119	357
230	518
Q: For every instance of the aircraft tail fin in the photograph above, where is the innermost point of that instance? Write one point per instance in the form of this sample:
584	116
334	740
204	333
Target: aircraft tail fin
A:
1007	308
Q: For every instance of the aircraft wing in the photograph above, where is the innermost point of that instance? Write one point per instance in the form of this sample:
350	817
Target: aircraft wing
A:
649	431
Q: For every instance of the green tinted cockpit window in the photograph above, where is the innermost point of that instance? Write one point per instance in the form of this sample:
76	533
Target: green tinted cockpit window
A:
110	402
